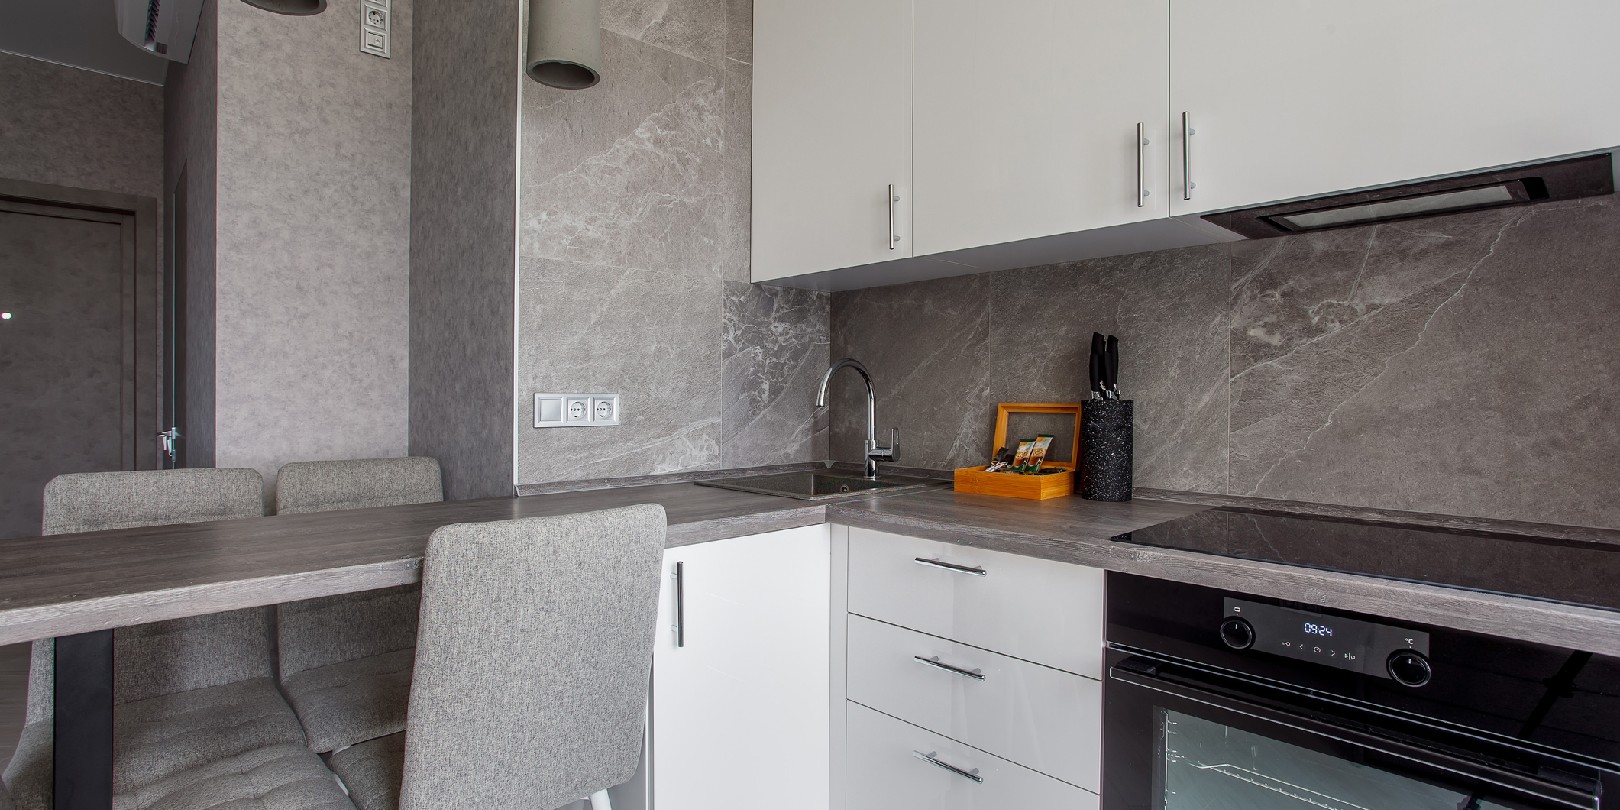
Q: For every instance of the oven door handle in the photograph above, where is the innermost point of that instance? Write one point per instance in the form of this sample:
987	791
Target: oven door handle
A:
1169	679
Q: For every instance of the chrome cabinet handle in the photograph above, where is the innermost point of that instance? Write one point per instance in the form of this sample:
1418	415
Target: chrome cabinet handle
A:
1141	166
680	604
938	664
933	760
960	569
894	227
1186	157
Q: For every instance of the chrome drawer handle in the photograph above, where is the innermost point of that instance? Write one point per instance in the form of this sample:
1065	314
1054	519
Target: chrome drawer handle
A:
938	664
960	569
932	760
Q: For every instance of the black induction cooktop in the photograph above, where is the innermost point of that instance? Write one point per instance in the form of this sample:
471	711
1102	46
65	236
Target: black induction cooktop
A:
1557	570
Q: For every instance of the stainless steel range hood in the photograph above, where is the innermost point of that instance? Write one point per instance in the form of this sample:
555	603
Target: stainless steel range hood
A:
1542	182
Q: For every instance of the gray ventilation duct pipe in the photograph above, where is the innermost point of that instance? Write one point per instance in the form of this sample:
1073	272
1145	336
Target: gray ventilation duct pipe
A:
565	43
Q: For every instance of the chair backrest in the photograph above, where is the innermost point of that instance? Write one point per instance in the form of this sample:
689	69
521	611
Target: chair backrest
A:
318	632
324	486
533	659
172	656
93	502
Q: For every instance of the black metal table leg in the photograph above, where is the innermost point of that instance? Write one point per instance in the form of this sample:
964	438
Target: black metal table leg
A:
84	721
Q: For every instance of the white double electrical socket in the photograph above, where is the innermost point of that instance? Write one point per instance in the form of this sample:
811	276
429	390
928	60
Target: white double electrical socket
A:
576	410
377	27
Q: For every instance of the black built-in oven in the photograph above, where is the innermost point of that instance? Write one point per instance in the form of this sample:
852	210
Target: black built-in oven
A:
1223	701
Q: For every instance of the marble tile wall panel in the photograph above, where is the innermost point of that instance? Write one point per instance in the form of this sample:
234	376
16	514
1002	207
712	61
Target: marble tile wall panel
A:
651	336
312	337
775	352
626	174
927	346
634	238
1475	373
1461	365
463	277
696	29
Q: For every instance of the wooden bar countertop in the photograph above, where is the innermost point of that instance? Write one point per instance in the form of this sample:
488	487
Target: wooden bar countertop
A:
75	583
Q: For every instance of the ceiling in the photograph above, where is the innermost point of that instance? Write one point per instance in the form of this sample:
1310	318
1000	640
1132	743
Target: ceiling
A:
82	33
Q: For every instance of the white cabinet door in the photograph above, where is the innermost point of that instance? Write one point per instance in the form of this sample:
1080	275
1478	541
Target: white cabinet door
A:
832	133
1293	98
1026	115
740	715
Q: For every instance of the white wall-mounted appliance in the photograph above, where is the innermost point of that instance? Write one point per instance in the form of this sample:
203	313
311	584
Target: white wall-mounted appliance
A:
164	27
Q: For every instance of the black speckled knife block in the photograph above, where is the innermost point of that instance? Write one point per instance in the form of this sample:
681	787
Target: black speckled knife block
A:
1105	449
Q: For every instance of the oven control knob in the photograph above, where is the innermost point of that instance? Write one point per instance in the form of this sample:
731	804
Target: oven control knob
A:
1237	633
1409	668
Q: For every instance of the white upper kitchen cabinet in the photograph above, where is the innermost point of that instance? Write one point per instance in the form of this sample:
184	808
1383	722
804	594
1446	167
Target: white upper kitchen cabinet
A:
1294	98
832	134
742	674
1026	115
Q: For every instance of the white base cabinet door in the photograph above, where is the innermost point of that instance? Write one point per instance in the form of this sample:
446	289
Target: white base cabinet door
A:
741	675
896	766
1295	98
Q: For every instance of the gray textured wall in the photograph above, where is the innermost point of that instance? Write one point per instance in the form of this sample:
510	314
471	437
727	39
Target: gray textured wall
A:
463	233
1463	365
190	109
634	245
313	238
71	127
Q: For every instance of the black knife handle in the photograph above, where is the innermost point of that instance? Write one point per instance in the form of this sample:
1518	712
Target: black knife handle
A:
1111	368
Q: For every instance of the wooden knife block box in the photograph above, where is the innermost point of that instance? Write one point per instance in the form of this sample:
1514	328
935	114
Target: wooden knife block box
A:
975	481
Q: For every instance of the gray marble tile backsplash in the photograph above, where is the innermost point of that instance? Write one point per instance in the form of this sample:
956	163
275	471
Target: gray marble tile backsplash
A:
1463	365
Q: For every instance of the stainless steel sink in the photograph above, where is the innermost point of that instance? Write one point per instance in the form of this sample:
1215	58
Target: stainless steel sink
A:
809	485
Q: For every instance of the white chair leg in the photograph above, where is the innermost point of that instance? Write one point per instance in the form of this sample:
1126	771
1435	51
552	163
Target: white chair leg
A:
600	801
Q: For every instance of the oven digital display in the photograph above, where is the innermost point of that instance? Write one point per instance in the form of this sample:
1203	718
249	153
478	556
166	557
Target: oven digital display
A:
1335	641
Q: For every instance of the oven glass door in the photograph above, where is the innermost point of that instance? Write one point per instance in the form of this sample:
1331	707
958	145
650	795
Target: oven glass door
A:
1205	764
1171	747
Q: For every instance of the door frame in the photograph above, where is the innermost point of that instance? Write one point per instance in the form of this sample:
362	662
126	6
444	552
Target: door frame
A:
140	411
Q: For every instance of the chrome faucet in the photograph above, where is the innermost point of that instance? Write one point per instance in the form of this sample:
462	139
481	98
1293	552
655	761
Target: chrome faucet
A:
874	453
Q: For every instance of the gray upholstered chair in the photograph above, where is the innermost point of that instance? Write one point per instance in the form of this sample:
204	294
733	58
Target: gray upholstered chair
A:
196	707
532	667
345	661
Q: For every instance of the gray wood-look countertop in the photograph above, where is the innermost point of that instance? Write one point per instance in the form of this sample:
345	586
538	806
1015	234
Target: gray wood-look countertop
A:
1077	531
76	583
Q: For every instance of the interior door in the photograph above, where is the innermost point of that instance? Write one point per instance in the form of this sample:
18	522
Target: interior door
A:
1294	98
831	134
67	354
174	333
1026	116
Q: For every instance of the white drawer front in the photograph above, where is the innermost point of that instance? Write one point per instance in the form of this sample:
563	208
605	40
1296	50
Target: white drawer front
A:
886	773
1038	717
1037	610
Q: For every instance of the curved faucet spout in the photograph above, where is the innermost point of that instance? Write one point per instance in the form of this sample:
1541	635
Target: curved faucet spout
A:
874	453
847	362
